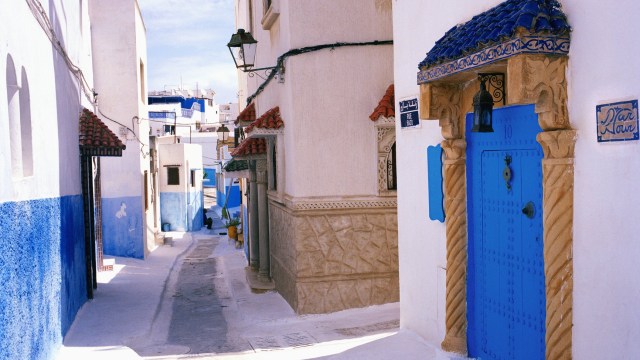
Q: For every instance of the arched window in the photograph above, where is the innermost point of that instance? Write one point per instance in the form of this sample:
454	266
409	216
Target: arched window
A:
392	177
25	126
387	177
13	102
20	137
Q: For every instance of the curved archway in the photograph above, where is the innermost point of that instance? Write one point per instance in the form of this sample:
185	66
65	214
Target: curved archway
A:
26	137
13	102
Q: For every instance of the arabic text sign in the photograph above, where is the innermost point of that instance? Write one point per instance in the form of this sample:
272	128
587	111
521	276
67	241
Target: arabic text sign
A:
409	114
618	121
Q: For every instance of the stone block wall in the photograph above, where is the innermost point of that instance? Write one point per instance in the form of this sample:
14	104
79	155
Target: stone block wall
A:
283	254
334	259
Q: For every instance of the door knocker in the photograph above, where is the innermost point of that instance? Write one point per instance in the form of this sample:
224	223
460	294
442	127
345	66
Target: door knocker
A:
506	173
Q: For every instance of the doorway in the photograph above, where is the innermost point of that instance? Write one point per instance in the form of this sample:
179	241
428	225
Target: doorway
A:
506	297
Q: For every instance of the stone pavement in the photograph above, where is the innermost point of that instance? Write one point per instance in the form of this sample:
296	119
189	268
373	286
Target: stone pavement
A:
191	300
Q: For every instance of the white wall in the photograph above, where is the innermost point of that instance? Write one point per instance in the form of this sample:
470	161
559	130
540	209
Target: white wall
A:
55	97
328	134
120	60
329	146
208	142
602	69
117	56
188	157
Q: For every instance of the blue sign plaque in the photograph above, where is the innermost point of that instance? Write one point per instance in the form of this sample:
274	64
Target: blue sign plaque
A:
618	121
409	114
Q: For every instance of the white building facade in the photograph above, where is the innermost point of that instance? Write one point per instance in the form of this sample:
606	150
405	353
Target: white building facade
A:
42	250
120	60
327	236
180	187
542	222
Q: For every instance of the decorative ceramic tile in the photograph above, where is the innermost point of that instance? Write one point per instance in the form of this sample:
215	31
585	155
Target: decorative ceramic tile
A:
617	121
550	45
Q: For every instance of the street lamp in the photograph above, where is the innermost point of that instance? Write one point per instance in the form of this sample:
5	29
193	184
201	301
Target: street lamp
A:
242	47
223	133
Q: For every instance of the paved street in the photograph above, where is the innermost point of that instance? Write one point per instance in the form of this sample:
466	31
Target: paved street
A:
192	300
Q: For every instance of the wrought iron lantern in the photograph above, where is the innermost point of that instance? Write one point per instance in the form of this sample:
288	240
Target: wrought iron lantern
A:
484	99
482	109
223	133
243	49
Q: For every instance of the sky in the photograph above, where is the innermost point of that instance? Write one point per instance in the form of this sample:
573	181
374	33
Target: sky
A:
187	45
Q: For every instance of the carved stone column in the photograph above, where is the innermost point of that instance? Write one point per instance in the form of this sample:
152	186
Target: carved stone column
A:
558	180
455	193
254	247
263	220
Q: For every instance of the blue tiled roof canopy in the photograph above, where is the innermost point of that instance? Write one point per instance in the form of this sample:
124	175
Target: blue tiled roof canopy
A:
503	22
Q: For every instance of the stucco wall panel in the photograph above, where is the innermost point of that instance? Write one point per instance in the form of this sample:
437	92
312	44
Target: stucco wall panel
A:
336	18
282	245
605	249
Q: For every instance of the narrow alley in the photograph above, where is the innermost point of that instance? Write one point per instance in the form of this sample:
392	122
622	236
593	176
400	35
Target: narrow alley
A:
190	299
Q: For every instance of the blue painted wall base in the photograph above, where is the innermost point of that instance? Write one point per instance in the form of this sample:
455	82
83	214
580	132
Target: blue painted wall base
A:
42	274
182	211
234	197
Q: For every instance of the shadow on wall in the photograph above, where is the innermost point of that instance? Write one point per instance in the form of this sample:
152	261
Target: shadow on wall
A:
72	245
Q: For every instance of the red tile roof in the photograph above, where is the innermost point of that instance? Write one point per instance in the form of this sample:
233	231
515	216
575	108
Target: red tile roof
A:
269	120
251	146
386	107
247	115
96	138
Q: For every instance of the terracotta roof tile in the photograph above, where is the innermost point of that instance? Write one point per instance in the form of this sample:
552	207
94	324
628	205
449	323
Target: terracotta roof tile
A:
386	107
94	134
251	146
247	115
269	120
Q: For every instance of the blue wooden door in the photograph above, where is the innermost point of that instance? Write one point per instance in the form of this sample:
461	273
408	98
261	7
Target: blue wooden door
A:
505	284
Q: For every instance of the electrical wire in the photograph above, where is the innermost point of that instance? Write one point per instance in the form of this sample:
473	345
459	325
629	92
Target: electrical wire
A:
43	20
144	155
308	49
45	23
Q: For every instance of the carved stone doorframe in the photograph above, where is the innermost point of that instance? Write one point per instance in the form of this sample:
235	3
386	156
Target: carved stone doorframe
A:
530	79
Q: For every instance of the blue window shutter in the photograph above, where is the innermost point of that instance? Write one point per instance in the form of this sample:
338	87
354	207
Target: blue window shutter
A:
436	195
